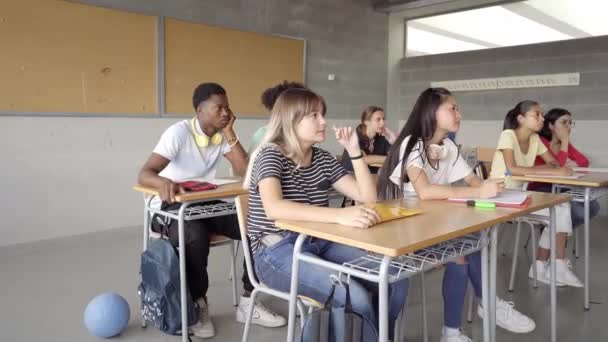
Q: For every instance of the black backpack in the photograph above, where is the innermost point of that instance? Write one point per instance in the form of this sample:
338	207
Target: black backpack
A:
159	289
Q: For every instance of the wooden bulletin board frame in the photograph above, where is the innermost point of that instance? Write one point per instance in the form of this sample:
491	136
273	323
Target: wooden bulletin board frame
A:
244	63
60	57
70	59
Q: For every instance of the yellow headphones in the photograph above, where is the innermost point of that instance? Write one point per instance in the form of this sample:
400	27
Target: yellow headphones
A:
201	139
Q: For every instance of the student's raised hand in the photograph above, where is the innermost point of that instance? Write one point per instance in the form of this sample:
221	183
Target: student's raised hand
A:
389	135
358	216
168	190
491	188
347	137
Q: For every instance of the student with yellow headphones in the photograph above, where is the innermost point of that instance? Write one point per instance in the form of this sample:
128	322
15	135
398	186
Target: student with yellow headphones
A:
192	148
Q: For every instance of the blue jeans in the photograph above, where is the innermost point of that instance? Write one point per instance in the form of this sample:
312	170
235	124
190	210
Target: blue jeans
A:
454	288
273	268
577	209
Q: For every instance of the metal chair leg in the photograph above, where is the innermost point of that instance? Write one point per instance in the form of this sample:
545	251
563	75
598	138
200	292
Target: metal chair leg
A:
515	254
534	246
470	306
425	327
233	248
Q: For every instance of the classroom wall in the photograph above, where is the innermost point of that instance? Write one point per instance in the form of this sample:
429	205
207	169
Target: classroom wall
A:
66	176
484	111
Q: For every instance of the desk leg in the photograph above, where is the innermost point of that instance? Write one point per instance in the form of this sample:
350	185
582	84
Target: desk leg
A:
552	231
383	299
182	271
485	295
587	261
293	293
492	286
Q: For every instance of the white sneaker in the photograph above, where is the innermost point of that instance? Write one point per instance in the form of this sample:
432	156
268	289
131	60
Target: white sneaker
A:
510	319
454	335
565	275
204	327
261	314
543	274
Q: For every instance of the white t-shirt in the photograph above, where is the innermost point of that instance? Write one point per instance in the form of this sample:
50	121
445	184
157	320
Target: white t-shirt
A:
450	169
187	160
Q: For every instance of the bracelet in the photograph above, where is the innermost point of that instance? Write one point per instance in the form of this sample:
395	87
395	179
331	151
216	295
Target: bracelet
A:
236	140
357	157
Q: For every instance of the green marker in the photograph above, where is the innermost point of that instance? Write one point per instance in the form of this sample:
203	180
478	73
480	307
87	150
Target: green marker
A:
479	204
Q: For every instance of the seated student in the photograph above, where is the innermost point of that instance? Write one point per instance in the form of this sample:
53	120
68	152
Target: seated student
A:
192	148
269	97
518	147
555	135
289	178
432	164
374	139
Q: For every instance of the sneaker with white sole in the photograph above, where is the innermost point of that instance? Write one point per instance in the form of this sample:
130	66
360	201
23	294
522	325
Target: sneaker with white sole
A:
543	274
510	319
261	314
565	275
204	327
454	335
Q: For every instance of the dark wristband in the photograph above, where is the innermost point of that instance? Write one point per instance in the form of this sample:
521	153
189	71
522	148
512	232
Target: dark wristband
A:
357	157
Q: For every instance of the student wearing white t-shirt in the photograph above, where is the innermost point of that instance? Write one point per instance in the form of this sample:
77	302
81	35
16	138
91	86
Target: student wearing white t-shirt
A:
432	163
192	148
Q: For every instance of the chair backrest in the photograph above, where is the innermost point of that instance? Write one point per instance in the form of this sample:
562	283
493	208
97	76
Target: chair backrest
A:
485	155
242	207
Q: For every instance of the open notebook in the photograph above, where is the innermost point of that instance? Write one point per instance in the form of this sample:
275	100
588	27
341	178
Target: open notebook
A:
507	198
392	212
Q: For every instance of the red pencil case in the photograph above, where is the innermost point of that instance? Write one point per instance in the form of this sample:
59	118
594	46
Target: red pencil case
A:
197	186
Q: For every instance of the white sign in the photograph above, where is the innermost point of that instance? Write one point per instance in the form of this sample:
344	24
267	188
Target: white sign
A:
534	81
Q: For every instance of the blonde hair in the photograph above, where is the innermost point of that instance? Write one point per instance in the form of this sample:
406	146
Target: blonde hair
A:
289	109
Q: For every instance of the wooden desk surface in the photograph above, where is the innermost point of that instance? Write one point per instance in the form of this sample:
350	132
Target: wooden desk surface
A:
440	221
589	179
226	190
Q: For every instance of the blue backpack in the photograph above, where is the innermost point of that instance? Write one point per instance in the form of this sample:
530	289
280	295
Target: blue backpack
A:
159	289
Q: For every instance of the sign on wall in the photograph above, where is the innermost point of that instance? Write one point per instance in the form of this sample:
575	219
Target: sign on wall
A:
534	81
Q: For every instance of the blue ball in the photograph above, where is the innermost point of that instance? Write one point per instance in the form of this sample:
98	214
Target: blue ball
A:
107	315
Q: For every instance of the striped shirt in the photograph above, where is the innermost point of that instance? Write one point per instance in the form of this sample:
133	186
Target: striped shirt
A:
309	185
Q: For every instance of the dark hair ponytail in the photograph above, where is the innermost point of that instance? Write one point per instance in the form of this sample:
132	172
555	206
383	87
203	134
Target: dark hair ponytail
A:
521	108
420	125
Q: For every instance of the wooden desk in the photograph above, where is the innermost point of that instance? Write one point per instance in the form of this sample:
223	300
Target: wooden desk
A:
588	182
440	221
188	212
226	190
399	237
589	179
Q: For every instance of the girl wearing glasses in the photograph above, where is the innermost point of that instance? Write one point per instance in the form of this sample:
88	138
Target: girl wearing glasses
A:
556	136
519	145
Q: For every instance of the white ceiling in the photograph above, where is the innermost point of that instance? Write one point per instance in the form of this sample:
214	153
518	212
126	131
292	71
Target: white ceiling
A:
526	22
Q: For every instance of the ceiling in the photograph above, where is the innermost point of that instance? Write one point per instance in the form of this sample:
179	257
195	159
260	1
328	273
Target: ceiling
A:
513	23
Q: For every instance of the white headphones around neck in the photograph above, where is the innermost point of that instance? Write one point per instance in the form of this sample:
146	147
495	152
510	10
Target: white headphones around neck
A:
437	152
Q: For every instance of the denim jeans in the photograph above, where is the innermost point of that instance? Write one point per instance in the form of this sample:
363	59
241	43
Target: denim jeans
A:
577	209
454	289
273	268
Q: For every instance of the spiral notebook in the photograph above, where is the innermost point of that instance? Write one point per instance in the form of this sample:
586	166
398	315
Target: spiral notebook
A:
389	212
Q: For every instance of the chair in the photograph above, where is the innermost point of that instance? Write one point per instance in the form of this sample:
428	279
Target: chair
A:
216	241
485	156
242	207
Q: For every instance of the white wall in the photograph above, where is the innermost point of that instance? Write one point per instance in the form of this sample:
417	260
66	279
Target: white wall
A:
68	176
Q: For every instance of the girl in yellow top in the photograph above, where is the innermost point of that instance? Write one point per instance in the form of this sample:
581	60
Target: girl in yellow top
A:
518	147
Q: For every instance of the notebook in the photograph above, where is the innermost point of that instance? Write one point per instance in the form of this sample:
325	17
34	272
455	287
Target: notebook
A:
574	176
392	212
507	198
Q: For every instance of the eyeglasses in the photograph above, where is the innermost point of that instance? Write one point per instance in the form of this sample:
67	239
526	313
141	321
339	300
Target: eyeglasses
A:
570	123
